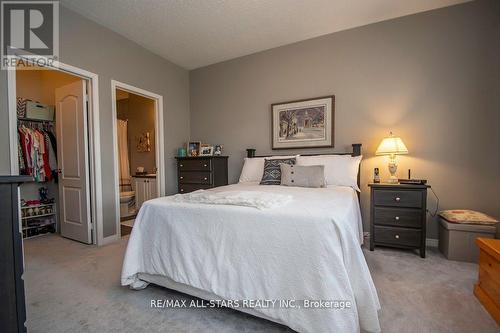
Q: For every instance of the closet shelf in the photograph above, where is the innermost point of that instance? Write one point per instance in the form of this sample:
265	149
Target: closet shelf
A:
38	226
35	216
36	120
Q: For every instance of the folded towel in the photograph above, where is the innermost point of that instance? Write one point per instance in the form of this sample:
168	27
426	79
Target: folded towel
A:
259	200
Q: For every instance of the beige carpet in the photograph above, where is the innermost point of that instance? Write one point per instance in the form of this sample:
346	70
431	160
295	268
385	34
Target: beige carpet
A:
71	287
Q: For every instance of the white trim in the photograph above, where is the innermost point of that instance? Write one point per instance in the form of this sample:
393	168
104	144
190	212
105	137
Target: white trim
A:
159	141
94	140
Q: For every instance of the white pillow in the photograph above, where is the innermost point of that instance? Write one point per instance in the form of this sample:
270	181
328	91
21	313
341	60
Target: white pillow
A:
253	168
339	169
252	171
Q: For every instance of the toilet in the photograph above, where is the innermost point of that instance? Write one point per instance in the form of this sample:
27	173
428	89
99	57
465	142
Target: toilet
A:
127	200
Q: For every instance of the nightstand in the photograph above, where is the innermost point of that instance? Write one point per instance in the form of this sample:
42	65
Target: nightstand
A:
398	216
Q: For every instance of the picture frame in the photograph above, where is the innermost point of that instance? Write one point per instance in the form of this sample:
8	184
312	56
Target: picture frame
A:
206	151
193	148
218	150
305	123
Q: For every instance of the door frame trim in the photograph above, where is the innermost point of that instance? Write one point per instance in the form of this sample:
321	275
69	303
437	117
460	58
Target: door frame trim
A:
159	140
94	139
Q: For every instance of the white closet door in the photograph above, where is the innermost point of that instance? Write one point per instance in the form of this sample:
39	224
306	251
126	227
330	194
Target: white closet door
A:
72	156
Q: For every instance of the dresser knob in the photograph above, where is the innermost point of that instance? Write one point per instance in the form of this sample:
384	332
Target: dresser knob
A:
181	177
397	236
204	165
205	178
181	165
398	199
397	218
182	190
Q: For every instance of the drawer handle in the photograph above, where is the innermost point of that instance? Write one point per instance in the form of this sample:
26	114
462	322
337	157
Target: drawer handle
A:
181	165
182	190
204	165
397	236
398	199
205	178
181	177
397	218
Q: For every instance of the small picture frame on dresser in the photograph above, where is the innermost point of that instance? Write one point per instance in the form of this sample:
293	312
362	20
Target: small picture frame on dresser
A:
206	151
193	148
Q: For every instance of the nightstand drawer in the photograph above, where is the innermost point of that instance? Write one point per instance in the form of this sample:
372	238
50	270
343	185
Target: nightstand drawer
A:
186	188
199	164
399	217
194	177
398	198
397	236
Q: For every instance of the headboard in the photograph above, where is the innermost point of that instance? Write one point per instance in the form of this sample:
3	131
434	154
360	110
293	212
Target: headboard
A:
356	151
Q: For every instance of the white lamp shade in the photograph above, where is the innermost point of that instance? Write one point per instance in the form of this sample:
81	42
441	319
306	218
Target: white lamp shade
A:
391	145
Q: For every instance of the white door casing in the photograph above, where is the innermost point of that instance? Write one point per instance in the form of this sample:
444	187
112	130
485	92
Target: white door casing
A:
72	157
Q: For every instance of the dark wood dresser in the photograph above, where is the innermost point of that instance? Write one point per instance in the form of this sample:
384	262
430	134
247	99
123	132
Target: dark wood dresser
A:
398	216
13	308
195	173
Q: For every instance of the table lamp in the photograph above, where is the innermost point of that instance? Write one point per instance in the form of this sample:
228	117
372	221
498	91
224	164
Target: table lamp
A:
392	146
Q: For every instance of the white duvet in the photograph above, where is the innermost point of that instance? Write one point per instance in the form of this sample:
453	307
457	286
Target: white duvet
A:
307	249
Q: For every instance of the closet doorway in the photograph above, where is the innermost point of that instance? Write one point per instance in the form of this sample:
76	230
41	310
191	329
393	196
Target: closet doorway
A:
52	146
139	153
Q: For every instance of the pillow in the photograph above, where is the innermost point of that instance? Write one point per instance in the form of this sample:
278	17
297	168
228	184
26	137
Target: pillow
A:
272	171
253	168
302	176
252	171
340	170
467	216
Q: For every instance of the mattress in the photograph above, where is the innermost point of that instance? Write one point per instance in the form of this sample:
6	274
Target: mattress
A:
306	251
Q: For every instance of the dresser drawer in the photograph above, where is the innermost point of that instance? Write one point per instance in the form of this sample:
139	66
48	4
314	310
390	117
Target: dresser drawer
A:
397	236
199	164
398	198
195	177
186	188
399	217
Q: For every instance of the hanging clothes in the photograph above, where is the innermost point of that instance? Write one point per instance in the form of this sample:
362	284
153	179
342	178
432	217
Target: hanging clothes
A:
37	154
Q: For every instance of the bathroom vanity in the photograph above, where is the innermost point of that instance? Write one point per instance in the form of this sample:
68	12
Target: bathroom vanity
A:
145	189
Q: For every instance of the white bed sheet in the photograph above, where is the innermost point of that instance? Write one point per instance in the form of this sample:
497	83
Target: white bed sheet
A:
308	249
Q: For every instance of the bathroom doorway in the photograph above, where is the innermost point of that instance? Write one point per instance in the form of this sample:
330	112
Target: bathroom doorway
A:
138	151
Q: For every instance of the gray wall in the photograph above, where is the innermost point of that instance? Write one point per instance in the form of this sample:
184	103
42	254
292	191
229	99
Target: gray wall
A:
90	46
432	78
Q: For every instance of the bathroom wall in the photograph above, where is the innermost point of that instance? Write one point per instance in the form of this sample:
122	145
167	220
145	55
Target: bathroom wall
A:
140	113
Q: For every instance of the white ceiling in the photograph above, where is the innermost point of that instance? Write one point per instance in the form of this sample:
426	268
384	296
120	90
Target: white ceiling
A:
196	33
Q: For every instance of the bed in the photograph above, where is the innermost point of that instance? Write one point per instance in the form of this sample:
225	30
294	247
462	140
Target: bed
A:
305	256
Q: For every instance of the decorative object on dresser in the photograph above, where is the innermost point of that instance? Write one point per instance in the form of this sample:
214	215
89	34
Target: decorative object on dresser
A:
398	216
193	148
206	150
13	309
392	146
218	150
487	288
196	173
306	123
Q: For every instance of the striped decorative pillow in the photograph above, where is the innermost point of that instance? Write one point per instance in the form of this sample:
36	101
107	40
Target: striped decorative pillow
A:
272	171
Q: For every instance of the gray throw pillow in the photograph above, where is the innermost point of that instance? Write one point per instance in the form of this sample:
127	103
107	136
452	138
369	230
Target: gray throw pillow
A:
272	171
303	176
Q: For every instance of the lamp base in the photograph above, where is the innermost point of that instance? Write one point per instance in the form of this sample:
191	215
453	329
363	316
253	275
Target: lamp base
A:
393	167
393	180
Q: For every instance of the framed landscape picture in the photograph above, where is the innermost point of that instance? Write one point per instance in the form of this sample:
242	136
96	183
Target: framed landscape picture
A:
305	123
